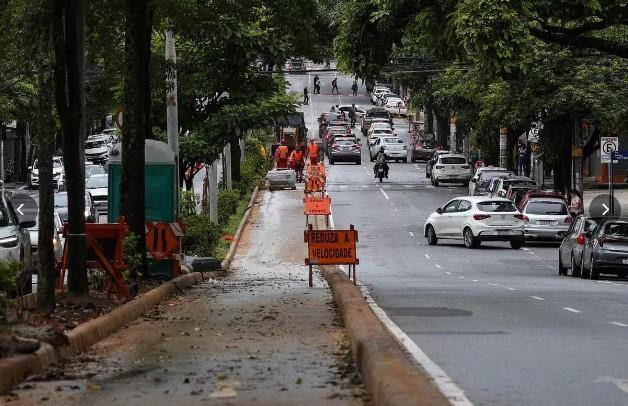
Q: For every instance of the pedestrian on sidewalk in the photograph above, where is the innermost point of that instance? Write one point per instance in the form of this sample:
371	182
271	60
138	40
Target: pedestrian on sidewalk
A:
281	155
575	203
312	152
522	153
306	96
334	86
354	87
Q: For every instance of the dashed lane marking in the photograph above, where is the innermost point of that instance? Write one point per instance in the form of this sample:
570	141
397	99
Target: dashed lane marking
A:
411	233
427	256
430	186
343	186
493	284
510	288
537	298
474	280
396	209
438	266
525	249
461	277
619	324
384	193
448	273
571	309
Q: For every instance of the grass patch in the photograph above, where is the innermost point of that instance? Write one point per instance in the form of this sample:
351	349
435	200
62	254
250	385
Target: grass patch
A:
232	226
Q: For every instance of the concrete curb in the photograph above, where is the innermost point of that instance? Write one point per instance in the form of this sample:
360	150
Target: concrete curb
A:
226	263
16	369
389	376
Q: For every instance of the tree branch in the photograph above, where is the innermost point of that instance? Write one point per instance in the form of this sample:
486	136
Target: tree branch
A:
583	42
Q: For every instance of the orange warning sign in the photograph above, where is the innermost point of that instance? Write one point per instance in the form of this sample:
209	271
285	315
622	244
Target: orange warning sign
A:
331	247
315	171
315	175
317	206
162	239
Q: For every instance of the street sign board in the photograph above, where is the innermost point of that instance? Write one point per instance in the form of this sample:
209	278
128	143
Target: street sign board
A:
331	247
317	206
608	145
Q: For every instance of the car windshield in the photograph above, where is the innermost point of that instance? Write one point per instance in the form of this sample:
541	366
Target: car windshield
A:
494	174
96	182
393	140
94	170
377	114
453	160
616	229
546	208
382	131
497	206
56	163
519	182
61	200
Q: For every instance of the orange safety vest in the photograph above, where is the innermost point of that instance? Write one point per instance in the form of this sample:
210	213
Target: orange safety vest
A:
282	152
312	150
296	156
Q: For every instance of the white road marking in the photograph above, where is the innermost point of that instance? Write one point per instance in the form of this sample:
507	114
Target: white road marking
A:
427	256
384	193
621	384
438	266
448	273
396	209
493	284
617	284
537	298
474	280
443	382
364	186
525	249
571	309
343	186
429	186
510	288
461	277
619	324
411	233
407	186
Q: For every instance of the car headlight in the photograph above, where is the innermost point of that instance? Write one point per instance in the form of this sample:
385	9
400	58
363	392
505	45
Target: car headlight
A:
9	242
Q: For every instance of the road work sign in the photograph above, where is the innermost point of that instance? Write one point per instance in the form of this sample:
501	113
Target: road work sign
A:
331	247
315	178
608	145
317	206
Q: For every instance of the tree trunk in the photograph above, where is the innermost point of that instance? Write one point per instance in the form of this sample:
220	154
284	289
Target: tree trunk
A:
235	161
46	267
137	126
69	44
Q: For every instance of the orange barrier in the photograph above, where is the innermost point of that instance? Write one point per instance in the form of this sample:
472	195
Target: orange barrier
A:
331	247
317	206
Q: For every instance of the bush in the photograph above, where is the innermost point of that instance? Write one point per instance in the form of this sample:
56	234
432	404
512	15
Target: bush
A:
8	276
228	201
188	200
201	235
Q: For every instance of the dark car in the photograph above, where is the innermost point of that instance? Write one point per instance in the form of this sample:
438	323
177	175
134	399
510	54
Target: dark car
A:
572	246
325	119
296	65
61	207
422	150
345	149
606	251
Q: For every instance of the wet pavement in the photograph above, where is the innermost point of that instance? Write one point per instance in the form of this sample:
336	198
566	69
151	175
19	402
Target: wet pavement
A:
260	336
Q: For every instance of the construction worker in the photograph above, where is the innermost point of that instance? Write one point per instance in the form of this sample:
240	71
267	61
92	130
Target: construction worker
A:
312	152
297	163
281	155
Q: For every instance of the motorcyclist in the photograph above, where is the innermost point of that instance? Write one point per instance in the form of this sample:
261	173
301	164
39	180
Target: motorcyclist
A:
381	160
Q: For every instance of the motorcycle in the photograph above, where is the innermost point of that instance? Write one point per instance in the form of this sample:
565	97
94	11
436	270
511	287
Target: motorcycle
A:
381	172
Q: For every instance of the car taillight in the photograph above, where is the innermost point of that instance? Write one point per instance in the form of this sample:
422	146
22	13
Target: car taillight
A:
568	220
439	167
520	217
356	146
481	216
334	146
580	239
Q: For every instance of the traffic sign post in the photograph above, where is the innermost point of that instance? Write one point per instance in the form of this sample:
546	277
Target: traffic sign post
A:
332	247
608	147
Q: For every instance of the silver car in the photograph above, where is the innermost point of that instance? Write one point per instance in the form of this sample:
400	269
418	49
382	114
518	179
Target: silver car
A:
57	240
570	251
545	218
606	252
97	186
15	242
345	150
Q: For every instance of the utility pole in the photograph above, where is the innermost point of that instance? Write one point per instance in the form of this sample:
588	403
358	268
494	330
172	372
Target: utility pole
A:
213	192
503	142
242	146
452	133
172	113
227	174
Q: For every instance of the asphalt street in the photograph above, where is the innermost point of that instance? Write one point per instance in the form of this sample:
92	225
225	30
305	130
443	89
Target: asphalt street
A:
498	321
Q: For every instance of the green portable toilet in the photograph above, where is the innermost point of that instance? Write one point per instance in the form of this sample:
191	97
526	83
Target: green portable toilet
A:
160	192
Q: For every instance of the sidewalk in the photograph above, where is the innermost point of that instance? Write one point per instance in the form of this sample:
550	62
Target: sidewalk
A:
259	336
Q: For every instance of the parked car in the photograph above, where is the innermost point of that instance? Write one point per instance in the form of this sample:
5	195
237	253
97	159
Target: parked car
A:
377	92
499	186
57	240
379	126
345	150
430	164
359	111
606	251
381	98
451	168
394	147
97	186
396	106
371	114
572	246
516	192
97	148
422	150
482	177
545	215
58	174
91	169
15	242
474	219
61	207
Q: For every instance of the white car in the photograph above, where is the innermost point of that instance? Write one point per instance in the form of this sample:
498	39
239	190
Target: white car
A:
98	186
58	174
97	148
451	168
15	241
396	106
377	91
382	97
378	133
482	177
57	239
379	126
344	108
394	147
474	219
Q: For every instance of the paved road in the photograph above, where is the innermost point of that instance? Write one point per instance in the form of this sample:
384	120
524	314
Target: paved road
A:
499	321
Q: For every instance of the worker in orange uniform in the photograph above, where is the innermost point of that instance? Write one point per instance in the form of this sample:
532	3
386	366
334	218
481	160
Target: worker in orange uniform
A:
312	152
297	162
281	155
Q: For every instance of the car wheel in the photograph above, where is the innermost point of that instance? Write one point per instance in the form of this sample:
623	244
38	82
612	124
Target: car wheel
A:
331	161
431	236
359	162
434	181
404	160
469	239
561	269
575	269
465	183
516	244
427	175
593	273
